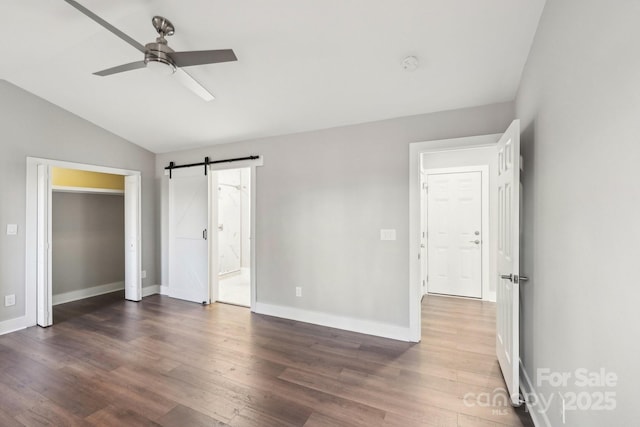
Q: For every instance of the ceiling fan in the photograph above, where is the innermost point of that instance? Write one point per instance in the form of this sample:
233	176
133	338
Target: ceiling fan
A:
160	56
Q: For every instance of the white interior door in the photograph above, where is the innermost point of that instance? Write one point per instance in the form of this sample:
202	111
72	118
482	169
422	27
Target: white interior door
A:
132	238
454	241
507	321
44	249
189	248
423	232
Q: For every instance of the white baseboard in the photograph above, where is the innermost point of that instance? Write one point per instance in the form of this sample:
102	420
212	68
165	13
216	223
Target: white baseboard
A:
368	327
13	325
86	293
150	290
538	414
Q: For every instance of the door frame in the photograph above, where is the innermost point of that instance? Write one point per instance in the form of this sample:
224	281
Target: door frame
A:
485	293
36	272
416	150
213	227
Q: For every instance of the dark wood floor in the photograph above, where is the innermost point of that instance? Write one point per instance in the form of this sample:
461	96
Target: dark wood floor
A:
172	363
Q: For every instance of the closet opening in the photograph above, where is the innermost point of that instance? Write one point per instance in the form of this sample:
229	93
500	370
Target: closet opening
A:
87	200
87	227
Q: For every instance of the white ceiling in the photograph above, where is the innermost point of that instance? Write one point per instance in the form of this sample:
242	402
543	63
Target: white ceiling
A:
303	65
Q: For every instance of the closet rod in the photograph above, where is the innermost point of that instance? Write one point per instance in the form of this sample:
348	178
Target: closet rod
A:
206	163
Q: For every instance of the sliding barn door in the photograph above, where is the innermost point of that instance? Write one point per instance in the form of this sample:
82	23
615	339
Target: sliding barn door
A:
189	222
507	321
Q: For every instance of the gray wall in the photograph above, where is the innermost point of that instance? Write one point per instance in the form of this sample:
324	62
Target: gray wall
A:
88	240
30	126
579	102
322	198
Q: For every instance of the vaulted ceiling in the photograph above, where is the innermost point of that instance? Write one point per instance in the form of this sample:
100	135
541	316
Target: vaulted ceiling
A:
302	65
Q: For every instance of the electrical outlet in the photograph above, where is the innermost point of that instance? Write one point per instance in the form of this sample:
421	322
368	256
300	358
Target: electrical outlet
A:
143	274
298	291
9	300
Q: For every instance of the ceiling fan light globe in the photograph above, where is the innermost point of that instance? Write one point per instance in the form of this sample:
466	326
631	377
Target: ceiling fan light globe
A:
161	67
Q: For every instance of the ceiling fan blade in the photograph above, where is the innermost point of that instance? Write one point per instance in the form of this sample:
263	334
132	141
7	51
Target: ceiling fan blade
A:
201	57
193	85
106	25
121	68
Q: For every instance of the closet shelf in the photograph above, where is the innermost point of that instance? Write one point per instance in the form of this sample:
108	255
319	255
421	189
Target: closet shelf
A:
87	190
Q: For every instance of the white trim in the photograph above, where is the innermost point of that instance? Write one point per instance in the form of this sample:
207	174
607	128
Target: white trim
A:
13	325
252	236
86	190
84	166
44	253
150	290
31	236
486	293
93	291
361	326
164	290
214	256
537	412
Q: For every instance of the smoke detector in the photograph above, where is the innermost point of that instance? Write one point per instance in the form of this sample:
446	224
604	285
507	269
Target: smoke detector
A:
410	63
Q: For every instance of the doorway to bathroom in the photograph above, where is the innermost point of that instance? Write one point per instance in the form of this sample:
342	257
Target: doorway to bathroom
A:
232	203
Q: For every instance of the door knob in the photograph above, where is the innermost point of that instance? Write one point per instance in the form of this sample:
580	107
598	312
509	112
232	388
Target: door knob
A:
514	278
477	242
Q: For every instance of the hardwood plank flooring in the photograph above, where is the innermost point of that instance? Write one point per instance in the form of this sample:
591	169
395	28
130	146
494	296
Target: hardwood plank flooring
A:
166	362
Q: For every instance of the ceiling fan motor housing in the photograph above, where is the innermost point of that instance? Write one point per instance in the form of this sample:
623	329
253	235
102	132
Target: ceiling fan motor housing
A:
159	52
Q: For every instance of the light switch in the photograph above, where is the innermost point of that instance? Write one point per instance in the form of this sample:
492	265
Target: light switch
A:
12	229
388	234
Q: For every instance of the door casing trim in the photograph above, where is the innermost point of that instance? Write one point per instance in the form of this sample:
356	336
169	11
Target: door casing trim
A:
415	151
